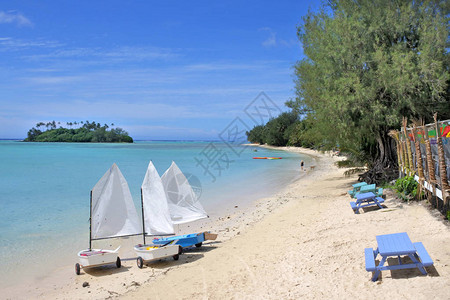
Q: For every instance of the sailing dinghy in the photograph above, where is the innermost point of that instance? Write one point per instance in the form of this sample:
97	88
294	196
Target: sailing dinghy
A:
184	206
155	219
112	215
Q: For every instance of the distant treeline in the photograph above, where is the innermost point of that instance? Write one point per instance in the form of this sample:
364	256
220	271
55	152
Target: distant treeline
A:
284	130
89	132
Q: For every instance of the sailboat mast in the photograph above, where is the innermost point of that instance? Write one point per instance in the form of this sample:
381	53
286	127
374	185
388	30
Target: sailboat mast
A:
143	220
90	223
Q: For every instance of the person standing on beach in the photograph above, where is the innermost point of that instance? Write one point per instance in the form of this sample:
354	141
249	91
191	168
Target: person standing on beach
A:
302	163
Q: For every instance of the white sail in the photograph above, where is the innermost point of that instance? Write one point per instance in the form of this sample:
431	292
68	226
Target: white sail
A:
113	212
183	203
156	210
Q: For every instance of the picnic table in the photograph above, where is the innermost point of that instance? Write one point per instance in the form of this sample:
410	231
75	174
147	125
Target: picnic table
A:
359	184
356	188
397	244
368	188
366	199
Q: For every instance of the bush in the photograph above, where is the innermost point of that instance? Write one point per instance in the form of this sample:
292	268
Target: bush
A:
406	187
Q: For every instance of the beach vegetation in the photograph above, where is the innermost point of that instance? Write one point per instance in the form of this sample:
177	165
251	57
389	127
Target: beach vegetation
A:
406	188
347	163
256	135
276	132
367	65
89	132
370	63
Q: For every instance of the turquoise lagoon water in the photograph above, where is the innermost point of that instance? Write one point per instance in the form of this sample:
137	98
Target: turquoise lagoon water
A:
45	188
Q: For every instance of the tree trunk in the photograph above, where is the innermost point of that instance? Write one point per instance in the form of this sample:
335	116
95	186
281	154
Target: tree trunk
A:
385	166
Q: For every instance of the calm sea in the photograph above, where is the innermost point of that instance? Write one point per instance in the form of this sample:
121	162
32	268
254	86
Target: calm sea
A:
44	198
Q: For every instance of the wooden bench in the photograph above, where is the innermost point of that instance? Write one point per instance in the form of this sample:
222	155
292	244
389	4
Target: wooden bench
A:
423	254
370	260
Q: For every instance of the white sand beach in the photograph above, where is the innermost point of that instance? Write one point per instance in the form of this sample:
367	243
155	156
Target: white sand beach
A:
304	242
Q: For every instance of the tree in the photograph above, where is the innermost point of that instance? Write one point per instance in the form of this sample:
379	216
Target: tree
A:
40	124
368	64
274	133
256	135
90	132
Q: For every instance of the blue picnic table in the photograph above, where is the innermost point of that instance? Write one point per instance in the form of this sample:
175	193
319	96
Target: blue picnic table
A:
366	199
356	188
369	188
397	244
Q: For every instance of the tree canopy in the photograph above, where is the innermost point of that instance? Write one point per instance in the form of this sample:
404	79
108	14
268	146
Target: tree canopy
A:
276	132
368	64
89	132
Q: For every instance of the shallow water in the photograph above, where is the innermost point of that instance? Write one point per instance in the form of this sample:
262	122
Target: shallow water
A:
45	190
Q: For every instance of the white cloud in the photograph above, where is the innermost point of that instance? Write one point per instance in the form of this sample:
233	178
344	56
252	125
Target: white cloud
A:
116	55
53	79
13	17
273	41
10	44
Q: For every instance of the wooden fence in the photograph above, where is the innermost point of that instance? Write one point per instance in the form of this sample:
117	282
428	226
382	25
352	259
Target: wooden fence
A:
423	151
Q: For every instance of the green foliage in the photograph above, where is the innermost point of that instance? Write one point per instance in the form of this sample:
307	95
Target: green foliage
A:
88	133
448	215
256	135
276	129
348	163
302	134
368	64
276	132
406	187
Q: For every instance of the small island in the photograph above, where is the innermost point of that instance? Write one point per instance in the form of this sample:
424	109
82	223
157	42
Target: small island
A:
87	132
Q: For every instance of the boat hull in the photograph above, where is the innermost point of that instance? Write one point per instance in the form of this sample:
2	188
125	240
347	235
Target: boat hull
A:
97	257
187	240
151	252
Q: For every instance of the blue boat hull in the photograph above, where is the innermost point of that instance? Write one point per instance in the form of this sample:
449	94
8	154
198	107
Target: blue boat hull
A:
187	240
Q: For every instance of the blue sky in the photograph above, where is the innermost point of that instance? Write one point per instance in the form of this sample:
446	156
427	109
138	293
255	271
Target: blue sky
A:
158	69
